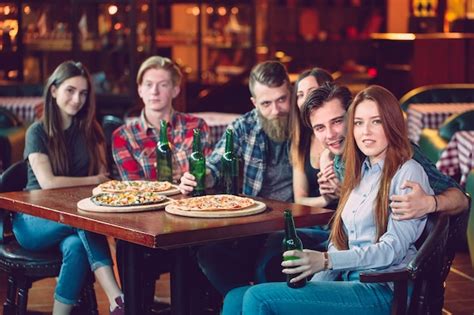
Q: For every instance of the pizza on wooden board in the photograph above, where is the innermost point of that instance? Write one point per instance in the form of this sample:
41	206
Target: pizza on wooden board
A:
214	203
116	186
127	199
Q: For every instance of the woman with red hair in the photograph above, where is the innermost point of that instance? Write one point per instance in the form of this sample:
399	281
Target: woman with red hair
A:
364	234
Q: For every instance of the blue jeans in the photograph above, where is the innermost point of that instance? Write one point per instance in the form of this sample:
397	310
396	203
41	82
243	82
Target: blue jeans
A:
81	251
322	297
256	259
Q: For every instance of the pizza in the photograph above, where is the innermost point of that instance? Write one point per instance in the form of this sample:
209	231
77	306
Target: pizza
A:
214	203
127	199
115	186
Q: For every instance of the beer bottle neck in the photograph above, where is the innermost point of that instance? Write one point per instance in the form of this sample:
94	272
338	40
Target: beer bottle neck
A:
290	231
197	142
163	132
229	142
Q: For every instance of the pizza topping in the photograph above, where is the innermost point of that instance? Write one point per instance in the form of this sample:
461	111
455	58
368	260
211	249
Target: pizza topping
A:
127	199
214	203
134	185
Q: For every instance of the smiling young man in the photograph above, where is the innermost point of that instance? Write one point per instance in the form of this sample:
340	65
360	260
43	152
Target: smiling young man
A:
133	145
324	111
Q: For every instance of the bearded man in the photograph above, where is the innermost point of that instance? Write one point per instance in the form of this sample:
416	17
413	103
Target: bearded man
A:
261	143
260	138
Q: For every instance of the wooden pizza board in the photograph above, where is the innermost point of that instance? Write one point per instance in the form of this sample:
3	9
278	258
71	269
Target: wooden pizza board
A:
258	207
86	204
172	191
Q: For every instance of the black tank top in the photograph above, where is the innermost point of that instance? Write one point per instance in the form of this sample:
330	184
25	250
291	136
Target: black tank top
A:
311	176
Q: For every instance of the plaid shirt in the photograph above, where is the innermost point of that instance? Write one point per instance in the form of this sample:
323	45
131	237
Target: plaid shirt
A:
134	144
438	181
250	146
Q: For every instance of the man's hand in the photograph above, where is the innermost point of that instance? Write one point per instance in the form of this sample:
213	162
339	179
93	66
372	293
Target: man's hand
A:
187	183
329	185
415	204
309	263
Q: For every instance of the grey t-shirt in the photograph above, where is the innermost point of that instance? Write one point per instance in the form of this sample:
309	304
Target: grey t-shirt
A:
278	178
37	142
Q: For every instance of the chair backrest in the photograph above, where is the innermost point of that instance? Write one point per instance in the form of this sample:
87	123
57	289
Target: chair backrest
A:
427	268
109	124
470	225
455	123
439	93
8	119
431	266
13	179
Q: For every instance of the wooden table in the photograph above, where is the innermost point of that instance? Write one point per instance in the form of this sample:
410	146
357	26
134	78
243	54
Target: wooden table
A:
155	229
431	116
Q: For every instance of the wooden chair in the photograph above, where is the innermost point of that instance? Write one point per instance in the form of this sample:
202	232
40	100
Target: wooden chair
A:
24	266
428	270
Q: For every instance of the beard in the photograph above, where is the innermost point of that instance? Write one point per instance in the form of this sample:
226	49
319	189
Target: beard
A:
276	129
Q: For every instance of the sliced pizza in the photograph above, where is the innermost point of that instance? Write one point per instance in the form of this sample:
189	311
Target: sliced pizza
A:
116	186
127	199
214	203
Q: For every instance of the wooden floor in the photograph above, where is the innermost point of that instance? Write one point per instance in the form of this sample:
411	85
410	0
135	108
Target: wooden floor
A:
459	297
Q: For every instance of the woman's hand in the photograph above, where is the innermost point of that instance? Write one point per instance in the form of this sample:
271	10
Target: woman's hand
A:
308	263
329	185
102	177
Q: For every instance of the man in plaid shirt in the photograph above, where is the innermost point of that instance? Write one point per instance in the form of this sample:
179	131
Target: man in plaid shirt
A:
260	138
261	143
134	144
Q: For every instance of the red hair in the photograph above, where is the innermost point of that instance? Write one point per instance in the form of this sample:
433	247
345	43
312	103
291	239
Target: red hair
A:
398	152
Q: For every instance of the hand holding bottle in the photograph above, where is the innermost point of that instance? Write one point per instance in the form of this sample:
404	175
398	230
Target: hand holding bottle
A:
188	182
304	263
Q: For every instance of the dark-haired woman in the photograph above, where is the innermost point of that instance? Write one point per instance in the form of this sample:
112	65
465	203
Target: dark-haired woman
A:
67	148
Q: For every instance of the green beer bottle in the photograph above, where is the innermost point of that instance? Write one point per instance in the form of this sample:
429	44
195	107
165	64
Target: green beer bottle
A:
291	242
163	155
229	166
197	164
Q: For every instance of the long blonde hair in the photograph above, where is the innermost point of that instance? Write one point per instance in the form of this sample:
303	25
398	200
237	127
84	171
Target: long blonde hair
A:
85	120
398	152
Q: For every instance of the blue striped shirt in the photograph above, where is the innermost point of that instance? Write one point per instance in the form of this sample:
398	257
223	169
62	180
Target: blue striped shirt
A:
395	248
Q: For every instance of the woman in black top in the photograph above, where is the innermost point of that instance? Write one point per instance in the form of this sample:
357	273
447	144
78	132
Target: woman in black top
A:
67	148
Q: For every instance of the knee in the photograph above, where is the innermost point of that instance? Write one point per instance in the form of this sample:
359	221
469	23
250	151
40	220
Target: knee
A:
253	301
73	250
233	301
